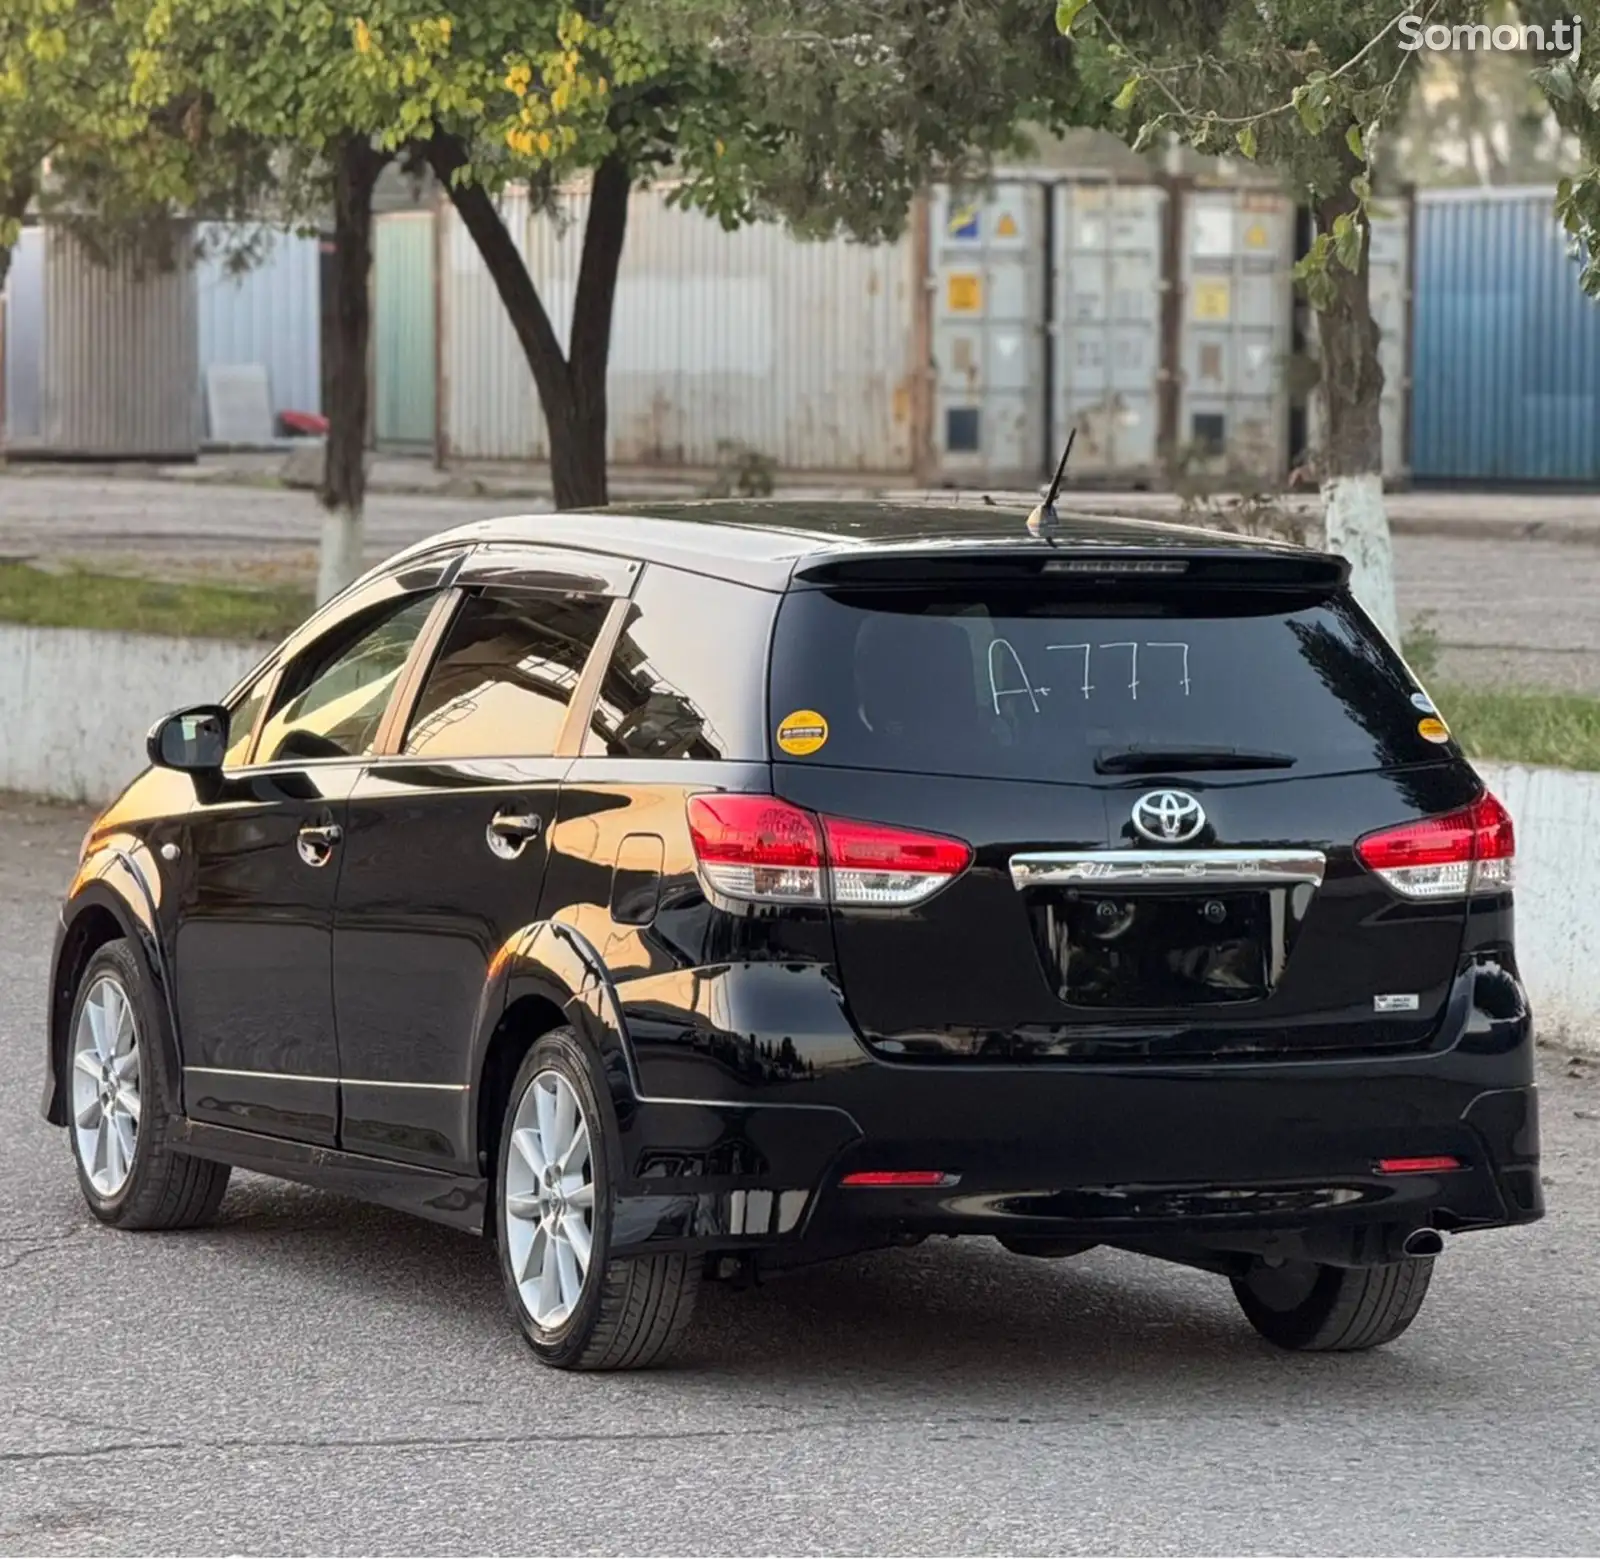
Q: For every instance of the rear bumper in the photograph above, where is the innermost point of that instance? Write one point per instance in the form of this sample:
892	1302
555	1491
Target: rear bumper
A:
1278	1157
1285	1164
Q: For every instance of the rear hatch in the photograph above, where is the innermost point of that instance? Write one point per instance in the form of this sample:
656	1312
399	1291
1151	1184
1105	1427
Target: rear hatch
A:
1161	765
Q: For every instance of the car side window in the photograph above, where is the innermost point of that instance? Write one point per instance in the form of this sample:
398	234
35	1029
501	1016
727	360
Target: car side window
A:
505	675
332	700
242	722
688	676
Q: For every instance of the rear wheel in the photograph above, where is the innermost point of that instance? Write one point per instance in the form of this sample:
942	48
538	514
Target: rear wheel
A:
578	1307
1313	1308
122	1120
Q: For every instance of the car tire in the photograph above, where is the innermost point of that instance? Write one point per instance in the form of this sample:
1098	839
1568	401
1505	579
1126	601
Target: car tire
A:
1313	1308
121	1119
620	1314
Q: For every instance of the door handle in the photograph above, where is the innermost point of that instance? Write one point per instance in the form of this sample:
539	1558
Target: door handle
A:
315	842
508	832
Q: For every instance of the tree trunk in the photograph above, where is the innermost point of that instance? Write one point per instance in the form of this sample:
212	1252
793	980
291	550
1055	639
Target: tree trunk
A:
1357	525
572	390
582	467
344	481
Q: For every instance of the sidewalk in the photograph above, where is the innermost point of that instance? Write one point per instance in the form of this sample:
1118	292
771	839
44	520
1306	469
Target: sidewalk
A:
1551	516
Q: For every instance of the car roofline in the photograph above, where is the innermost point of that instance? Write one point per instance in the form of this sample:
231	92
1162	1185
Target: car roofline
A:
693	545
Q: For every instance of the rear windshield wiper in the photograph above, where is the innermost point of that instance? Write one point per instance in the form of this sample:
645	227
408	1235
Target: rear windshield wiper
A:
1147	760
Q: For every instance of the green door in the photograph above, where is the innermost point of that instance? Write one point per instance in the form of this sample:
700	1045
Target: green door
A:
404	329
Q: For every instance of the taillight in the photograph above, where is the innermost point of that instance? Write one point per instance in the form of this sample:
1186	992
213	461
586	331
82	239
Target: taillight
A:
765	850
1446	857
757	847
871	864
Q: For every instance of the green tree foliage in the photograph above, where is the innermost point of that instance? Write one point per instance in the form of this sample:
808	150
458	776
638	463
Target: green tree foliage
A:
828	114
118	167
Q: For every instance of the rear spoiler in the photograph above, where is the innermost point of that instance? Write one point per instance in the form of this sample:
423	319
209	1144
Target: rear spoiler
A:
1093	568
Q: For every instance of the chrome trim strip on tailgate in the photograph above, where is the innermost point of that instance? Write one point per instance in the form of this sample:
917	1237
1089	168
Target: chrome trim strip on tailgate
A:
1206	868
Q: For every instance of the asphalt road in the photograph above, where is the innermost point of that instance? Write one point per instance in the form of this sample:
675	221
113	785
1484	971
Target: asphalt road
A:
1510	610
315	1376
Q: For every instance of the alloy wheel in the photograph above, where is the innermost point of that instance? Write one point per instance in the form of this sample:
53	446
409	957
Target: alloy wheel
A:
105	1085
548	1213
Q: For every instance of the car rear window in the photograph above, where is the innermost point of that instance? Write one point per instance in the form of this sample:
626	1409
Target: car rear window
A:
1031	683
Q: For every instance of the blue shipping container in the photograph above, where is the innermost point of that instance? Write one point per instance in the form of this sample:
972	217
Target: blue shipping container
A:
1505	347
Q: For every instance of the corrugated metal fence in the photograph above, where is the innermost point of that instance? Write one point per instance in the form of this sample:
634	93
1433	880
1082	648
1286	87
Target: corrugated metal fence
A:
1506	346
800	350
23	341
268	313
118	361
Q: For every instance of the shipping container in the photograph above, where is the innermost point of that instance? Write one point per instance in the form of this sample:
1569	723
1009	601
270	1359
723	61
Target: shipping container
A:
264	313
1236	331
802	351
404	346
1506	347
23	340
1106	327
120	362
987	251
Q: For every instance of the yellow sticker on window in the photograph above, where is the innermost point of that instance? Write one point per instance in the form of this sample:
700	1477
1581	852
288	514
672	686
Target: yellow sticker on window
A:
1431	730
802	733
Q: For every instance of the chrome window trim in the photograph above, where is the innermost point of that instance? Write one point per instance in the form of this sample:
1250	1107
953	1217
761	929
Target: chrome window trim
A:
1179	868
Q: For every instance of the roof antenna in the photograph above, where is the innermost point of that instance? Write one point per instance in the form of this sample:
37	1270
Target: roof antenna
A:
1043	519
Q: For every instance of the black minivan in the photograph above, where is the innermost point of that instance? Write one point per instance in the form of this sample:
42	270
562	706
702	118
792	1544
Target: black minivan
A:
714	888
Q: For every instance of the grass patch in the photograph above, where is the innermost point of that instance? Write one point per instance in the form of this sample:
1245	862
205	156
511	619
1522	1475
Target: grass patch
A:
78	598
1558	730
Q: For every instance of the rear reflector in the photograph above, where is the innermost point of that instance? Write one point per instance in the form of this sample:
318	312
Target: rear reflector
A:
1463	852
899	1177
763	850
1418	1166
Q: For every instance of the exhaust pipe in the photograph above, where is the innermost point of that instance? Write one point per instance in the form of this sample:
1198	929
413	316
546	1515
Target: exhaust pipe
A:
1422	1242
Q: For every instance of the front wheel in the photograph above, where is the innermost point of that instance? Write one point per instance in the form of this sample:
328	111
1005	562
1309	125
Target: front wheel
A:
578	1307
1313	1308
122	1119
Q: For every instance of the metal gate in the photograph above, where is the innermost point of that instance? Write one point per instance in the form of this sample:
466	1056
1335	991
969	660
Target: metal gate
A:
404	354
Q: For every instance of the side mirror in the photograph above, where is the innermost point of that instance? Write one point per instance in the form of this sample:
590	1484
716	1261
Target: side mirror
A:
193	741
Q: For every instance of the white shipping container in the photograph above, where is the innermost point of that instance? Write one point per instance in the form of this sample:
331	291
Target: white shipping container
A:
1107	327
802	351
1237	329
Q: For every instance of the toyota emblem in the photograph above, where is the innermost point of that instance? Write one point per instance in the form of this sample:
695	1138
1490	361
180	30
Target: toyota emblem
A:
1168	816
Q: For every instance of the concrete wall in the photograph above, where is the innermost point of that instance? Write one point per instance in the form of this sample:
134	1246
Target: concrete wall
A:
1557	817
75	706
